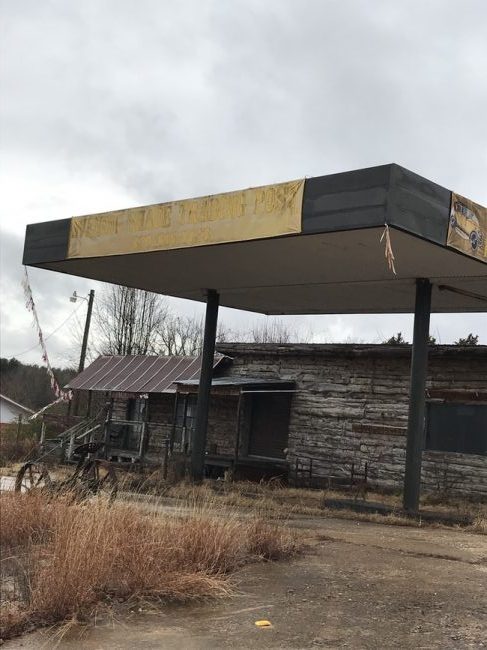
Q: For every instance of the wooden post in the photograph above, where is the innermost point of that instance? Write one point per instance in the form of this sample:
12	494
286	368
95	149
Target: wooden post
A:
166	459
142	440
19	428
71	446
237	433
144	433
88	406
184	440
42	438
106	429
174	423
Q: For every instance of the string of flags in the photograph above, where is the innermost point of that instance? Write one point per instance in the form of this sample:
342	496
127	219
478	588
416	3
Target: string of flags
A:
61	395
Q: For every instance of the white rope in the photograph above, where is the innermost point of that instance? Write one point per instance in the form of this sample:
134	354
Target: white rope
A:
388	252
44	408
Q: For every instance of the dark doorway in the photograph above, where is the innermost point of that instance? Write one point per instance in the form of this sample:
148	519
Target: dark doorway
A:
269	424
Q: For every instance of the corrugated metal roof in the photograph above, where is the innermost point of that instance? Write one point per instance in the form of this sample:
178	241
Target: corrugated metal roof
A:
138	373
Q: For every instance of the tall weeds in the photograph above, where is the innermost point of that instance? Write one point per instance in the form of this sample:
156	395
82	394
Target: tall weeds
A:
77	554
14	449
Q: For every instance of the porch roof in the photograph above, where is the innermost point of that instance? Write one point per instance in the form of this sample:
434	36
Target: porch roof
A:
139	373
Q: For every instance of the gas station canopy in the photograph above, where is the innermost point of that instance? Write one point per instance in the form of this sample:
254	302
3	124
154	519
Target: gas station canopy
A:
375	240
310	246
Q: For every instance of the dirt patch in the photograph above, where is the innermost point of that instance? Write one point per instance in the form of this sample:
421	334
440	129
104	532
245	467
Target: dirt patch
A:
359	585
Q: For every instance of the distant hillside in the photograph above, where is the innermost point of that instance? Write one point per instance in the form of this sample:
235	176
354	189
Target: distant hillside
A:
29	384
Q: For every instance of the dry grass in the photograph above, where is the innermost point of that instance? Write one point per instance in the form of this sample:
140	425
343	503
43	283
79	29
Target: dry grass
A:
69	557
13	449
480	523
276	500
23	520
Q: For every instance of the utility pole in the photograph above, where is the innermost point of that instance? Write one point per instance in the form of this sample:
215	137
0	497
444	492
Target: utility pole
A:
84	345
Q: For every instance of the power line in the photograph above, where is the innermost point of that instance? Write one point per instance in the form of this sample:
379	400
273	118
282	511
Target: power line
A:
19	354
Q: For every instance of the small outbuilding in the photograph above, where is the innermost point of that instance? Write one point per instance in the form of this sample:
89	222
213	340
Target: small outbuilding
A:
10	411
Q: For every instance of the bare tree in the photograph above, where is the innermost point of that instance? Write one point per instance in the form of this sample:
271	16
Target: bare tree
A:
274	331
127	320
180	335
183	335
132	321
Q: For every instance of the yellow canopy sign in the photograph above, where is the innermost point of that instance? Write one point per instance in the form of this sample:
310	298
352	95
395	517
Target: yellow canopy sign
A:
256	213
467	230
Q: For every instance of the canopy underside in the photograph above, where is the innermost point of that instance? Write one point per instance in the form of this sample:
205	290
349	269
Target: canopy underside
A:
327	273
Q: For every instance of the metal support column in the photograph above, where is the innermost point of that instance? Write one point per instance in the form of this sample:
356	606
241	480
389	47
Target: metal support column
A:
419	365
198	446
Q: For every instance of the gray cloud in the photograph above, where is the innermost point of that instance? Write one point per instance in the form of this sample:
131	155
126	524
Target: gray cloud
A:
111	104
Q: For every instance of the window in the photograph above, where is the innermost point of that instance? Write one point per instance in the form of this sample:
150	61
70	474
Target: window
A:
126	434
185	419
460	428
136	409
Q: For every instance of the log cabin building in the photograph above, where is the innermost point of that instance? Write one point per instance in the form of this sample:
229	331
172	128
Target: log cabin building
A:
310	413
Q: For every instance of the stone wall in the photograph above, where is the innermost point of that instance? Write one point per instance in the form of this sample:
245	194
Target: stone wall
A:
222	424
351	406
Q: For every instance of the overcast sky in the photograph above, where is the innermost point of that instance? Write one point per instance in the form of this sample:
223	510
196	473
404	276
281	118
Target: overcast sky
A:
108	104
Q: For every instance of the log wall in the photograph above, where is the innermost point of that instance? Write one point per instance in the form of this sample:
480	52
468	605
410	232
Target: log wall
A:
351	406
